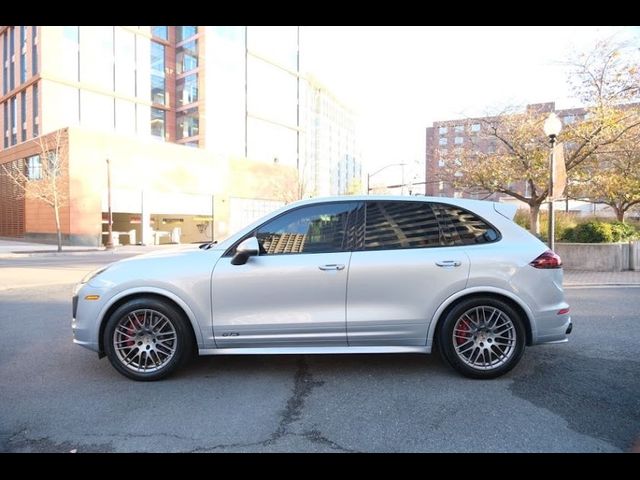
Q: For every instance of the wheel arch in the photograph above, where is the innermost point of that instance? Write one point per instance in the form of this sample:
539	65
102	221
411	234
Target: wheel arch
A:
505	296
157	293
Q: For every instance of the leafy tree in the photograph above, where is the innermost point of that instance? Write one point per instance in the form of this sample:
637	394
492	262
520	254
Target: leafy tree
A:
510	154
614	180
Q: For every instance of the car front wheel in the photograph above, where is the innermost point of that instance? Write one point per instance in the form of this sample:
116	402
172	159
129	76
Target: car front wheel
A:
482	337
147	339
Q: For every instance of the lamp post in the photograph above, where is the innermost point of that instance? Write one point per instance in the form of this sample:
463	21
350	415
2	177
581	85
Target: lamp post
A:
552	127
369	175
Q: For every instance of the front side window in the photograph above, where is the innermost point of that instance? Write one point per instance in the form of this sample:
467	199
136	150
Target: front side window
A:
396	225
312	229
461	227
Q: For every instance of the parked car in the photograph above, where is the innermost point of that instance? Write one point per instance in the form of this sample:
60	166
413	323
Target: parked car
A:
366	274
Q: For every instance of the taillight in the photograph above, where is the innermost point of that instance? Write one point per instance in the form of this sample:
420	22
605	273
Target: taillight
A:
548	259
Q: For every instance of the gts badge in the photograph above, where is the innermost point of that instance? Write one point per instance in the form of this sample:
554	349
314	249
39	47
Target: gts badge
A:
230	334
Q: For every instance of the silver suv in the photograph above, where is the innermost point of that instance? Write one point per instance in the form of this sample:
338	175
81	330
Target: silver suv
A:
368	274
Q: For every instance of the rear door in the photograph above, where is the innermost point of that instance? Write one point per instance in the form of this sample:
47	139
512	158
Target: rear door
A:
407	267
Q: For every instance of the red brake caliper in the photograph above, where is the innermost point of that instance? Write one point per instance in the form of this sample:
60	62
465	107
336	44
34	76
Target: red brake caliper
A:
462	332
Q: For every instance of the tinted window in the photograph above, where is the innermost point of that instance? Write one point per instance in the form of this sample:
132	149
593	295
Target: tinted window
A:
461	227
312	229
391	225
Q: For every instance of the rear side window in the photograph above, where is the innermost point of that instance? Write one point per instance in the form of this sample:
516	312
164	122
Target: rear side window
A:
461	227
394	225
397	225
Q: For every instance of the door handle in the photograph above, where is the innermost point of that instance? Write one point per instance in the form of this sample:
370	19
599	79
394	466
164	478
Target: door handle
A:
332	266
449	263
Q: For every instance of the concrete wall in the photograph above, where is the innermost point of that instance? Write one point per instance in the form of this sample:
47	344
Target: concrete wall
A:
600	257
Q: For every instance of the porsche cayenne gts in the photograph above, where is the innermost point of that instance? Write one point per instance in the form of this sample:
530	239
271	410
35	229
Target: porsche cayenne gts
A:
368	274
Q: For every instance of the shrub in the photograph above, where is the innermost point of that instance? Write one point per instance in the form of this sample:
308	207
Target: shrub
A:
595	231
564	222
590	232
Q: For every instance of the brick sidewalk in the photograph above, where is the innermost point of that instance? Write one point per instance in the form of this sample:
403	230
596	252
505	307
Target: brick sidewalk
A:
581	277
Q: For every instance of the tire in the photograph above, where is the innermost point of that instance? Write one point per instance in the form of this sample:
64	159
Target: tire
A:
147	339
482	337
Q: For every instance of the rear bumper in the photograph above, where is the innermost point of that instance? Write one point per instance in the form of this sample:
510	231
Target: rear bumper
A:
553	330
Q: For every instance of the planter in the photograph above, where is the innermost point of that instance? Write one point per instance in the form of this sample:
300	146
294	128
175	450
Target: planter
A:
599	257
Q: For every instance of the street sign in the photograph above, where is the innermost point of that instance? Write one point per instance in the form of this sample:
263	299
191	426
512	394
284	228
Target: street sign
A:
559	172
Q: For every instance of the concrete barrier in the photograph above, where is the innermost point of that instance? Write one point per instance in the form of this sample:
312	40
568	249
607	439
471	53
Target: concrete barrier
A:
634	255
598	257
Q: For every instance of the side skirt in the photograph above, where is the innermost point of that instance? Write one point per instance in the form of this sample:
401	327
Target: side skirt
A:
311	350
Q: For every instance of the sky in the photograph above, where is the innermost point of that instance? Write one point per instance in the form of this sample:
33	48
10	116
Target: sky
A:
401	79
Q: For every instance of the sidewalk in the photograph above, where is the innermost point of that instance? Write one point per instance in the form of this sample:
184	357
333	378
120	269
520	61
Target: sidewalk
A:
576	278
17	249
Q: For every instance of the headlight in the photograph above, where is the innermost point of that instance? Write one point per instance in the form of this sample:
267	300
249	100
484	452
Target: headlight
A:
87	278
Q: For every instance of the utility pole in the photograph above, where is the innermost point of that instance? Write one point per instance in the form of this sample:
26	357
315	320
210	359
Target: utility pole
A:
109	245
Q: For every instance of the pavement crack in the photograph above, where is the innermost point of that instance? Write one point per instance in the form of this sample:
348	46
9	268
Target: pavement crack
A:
302	386
316	436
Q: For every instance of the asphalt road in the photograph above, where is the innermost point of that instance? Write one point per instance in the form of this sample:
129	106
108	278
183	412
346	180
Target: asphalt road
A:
583	396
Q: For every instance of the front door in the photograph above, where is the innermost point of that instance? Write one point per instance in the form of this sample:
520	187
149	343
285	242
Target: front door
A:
293	294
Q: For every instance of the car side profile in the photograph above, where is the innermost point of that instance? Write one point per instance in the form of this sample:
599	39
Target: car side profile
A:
353	274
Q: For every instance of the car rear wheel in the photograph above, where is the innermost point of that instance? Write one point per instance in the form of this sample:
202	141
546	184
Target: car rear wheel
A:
482	337
147	339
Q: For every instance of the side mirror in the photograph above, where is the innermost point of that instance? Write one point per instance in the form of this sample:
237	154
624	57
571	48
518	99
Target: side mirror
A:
247	248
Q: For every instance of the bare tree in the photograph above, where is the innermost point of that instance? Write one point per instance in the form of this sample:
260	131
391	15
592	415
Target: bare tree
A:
510	154
44	176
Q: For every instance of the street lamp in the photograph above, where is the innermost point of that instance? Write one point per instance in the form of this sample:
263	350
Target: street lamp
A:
552	127
369	175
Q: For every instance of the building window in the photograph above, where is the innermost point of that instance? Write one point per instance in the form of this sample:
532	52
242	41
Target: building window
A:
459	128
442	141
569	119
34	167
34	50
5	133
475	127
23	54
35	110
187	123
5	54
459	140
23	116
441	162
160	32
184	32
12	63
440	185
187	57
14	121
157	73
157	122
443	130
187	89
